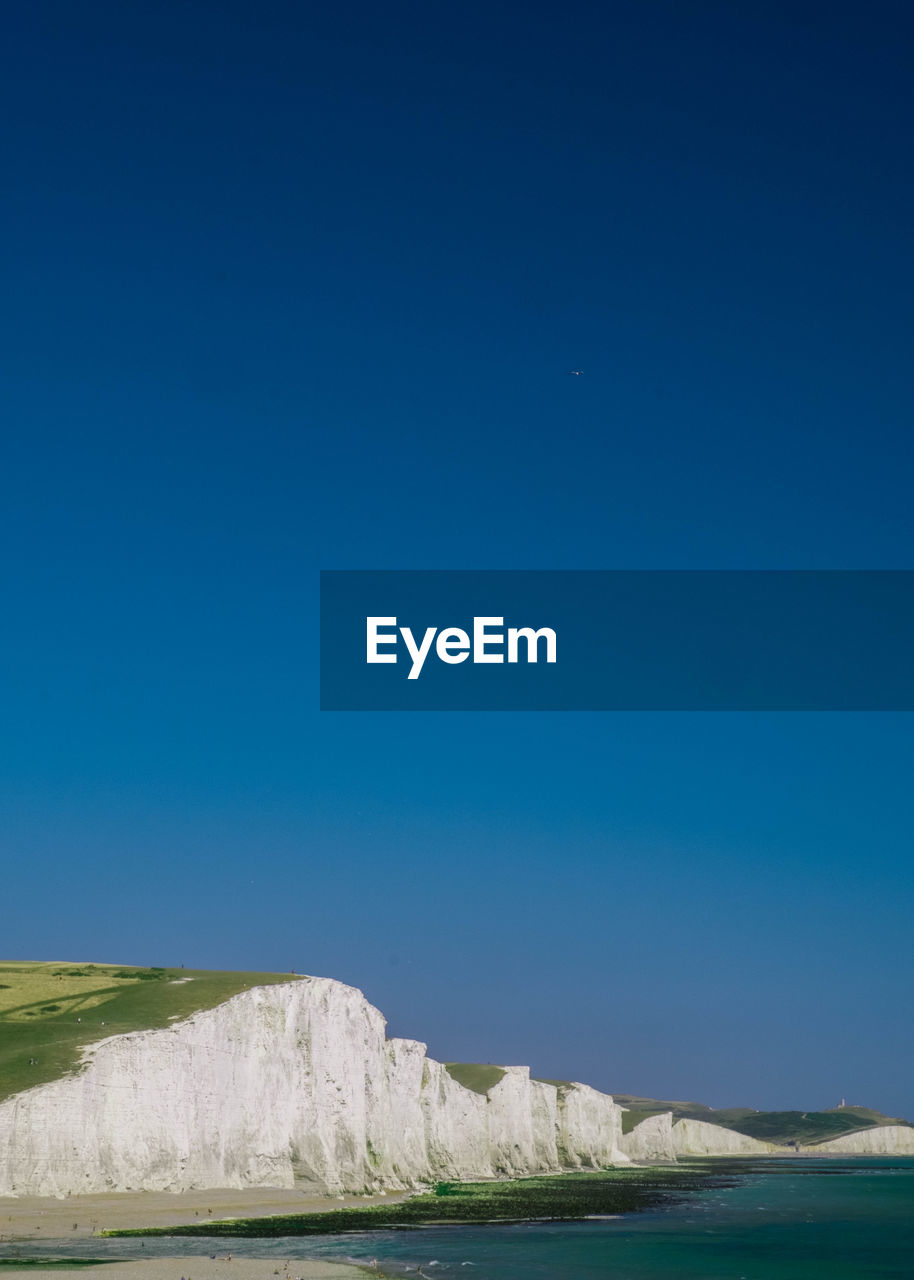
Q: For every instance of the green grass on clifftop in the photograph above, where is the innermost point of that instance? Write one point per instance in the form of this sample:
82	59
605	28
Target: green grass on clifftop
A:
478	1076
811	1127
50	1011
633	1117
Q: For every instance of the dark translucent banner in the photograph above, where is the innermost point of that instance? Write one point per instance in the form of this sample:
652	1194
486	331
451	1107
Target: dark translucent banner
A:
617	640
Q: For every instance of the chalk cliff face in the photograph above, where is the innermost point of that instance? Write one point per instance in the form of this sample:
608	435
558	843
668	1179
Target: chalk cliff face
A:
586	1127
886	1140
698	1138
284	1086
652	1139
658	1138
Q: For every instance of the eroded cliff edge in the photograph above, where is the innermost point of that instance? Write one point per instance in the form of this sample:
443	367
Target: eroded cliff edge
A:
284	1086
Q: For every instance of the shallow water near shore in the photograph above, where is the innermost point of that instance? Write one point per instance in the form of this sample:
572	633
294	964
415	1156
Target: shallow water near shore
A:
822	1220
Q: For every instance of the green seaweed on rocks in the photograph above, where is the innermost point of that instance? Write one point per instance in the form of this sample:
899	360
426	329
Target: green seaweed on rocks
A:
561	1197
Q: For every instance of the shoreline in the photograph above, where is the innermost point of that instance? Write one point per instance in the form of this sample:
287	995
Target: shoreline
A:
227	1214
569	1196
34	1219
274	1255
199	1268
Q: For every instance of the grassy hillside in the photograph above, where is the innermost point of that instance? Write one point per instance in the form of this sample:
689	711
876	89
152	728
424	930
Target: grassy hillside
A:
49	1011
478	1076
804	1127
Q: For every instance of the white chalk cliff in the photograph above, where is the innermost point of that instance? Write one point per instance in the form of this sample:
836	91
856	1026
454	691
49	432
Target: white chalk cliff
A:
658	1137
885	1140
698	1138
294	1085
651	1139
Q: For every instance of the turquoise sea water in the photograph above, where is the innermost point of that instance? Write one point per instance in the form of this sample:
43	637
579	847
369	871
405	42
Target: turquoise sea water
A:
843	1222
796	1220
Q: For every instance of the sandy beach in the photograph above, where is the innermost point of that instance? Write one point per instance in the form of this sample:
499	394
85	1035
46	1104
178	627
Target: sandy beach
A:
202	1269
45	1218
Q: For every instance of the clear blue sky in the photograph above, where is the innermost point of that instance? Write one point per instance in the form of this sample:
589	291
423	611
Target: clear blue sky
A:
292	287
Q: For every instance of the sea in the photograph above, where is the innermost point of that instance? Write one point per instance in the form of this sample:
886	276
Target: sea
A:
792	1220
